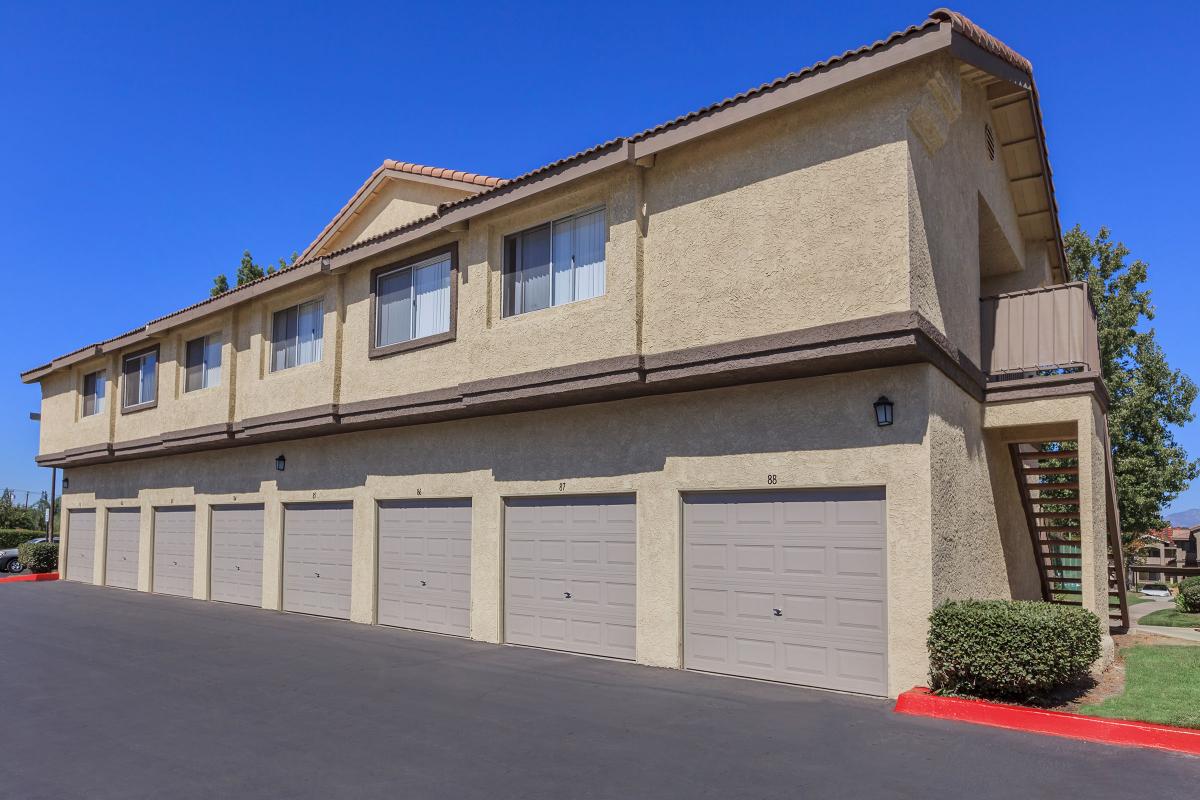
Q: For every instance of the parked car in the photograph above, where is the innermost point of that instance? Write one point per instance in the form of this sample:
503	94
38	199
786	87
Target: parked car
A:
1156	590
9	562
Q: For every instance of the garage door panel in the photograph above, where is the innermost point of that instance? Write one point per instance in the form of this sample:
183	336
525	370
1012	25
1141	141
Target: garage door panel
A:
425	565
318	545
864	562
81	545
787	586
237	554
122	548
174	551
808	659
570	574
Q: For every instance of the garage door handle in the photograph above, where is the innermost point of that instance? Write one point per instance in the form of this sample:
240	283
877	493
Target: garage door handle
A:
422	583
174	563
316	574
777	611
236	567
567	595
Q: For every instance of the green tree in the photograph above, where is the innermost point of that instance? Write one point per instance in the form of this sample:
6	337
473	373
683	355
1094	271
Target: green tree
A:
1148	398
248	271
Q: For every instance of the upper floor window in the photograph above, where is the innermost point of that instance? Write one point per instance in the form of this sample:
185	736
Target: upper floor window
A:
141	379
93	393
556	263
413	302
297	334
202	363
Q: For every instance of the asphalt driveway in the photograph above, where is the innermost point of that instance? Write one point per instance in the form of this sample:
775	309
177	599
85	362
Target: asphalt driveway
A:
115	694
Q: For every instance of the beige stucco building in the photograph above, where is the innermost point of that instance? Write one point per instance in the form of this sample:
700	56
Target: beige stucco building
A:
630	404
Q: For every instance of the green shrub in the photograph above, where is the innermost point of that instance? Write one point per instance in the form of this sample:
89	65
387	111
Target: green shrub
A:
1186	582
1188	599
12	538
39	556
1010	649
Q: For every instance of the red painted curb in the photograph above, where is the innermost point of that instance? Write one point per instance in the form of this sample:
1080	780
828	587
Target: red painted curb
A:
37	576
920	702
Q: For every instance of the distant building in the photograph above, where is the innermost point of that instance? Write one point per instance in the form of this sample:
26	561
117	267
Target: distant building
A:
1174	549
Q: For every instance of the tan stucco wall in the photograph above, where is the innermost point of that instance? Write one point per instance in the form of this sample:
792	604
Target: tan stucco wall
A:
789	221
261	391
177	409
488	344
950	175
398	201
817	432
981	543
62	427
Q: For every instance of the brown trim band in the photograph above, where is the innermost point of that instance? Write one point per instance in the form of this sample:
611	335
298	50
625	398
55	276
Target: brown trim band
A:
887	340
1072	383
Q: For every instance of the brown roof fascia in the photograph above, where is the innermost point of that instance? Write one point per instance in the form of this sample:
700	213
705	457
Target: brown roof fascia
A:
825	76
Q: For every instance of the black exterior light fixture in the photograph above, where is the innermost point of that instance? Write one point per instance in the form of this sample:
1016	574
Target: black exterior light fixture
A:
883	411
66	482
280	463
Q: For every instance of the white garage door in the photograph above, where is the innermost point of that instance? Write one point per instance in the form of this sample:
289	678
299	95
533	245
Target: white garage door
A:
237	554
174	551
122	548
317	545
81	545
425	565
787	586
569	574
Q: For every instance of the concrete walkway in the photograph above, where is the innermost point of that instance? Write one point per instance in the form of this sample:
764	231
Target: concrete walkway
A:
118	694
1140	610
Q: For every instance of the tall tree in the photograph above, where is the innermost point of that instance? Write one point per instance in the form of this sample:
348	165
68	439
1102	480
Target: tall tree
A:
248	271
1148	398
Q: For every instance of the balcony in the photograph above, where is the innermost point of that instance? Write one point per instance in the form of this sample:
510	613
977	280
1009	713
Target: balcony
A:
1039	332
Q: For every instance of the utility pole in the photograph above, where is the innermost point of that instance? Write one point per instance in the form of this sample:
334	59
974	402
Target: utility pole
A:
50	511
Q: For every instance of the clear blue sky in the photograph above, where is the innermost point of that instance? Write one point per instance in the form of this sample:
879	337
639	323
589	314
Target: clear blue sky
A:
145	145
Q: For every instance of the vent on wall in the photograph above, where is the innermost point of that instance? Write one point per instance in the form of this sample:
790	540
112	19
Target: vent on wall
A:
991	141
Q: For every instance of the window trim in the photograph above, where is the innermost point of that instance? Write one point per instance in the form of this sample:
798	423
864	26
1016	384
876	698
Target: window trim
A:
506	270
157	380
204	368
377	351
270	339
103	373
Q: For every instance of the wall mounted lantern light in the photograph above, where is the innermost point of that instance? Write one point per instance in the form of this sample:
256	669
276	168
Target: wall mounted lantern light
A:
883	411
66	482
280	463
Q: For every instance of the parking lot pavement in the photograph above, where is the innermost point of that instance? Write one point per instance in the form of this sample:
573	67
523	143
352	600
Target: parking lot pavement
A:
128	695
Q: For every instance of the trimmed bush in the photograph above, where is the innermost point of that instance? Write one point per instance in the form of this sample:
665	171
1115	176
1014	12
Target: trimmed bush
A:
14	538
1010	649
39	556
1188	599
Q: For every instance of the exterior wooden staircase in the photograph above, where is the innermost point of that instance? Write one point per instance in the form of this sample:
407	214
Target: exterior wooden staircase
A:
1047	476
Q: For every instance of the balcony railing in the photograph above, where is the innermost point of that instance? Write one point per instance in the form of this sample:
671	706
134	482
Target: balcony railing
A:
1051	330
